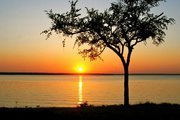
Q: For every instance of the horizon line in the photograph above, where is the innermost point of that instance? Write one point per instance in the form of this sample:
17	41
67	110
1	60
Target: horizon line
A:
58	73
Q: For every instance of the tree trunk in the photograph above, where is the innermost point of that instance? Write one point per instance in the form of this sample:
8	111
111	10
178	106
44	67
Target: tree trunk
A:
126	86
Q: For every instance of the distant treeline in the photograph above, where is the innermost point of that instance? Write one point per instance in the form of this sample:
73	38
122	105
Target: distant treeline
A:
44	73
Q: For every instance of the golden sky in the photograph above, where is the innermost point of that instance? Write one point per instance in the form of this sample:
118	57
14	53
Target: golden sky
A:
23	49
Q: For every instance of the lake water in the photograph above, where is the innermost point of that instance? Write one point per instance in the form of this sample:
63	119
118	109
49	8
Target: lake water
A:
71	90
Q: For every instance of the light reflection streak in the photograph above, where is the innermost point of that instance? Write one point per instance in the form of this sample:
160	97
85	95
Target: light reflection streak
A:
80	90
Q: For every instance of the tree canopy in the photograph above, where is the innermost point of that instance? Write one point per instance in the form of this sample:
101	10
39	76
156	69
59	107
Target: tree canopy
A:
125	24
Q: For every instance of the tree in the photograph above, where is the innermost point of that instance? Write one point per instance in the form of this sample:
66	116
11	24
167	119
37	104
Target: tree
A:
120	28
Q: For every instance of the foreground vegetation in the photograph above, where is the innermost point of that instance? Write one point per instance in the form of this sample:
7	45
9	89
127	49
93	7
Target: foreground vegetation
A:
147	111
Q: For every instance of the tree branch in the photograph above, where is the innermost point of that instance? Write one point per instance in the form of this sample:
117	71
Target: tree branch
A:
113	49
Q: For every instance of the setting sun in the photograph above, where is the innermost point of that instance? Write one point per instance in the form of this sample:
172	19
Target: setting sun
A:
80	69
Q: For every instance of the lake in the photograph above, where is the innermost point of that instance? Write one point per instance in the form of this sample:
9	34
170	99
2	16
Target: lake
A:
71	90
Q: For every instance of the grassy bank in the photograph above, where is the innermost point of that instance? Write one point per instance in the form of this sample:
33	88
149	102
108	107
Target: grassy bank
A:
147	111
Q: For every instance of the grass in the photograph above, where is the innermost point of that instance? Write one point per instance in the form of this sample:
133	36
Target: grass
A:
146	111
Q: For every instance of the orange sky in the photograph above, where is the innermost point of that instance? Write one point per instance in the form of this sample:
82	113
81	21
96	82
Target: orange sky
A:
23	49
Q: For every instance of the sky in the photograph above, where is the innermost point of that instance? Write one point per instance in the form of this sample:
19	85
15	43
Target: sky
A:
23	49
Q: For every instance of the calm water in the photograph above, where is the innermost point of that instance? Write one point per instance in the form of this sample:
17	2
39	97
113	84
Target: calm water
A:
69	91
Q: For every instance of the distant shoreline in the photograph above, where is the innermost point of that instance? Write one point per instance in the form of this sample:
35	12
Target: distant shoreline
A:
45	73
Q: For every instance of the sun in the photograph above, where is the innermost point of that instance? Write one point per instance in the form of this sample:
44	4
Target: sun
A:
80	69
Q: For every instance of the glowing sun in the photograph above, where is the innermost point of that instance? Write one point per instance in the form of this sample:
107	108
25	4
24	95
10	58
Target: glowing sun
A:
80	69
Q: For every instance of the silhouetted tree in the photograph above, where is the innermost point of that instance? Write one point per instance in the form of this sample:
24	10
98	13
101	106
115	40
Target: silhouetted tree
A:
120	28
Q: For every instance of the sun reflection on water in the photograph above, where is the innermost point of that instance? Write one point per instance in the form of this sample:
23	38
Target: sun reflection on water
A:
80	90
